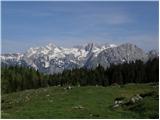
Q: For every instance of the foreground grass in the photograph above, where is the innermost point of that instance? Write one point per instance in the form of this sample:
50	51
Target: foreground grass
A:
96	102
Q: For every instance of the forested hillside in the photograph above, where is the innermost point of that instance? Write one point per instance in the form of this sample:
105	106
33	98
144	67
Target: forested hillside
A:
20	78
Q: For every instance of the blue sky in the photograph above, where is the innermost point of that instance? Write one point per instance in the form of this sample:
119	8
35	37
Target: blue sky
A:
30	24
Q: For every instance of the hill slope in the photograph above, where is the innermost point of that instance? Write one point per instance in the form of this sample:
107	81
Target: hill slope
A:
81	102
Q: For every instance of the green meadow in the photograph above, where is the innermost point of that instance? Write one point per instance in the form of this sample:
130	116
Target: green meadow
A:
81	102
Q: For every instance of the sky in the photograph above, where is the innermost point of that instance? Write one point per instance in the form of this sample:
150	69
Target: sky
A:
31	24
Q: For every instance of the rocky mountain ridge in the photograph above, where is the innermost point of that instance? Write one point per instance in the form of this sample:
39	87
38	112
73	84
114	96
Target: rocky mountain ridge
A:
53	59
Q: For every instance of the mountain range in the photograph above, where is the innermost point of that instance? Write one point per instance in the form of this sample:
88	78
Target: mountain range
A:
54	59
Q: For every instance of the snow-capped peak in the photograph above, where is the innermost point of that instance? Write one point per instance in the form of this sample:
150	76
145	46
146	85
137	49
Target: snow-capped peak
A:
113	45
51	46
52	59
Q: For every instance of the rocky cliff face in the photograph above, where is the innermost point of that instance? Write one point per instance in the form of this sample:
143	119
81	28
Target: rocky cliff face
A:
123	53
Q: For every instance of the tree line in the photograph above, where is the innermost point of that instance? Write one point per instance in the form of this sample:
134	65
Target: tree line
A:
17	78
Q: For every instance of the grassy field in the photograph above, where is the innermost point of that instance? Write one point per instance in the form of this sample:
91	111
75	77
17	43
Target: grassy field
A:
81	102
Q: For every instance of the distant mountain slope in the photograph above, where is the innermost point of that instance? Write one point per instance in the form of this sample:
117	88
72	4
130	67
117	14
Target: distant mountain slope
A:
54	59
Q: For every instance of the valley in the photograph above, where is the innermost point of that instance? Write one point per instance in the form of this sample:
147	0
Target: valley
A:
79	59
